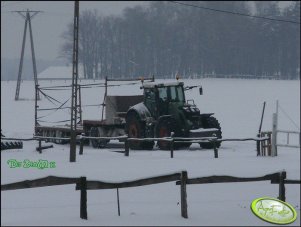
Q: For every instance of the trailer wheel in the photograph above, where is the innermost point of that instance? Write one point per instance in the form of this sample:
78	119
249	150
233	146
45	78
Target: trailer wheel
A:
135	129
58	134
97	143
212	122
47	135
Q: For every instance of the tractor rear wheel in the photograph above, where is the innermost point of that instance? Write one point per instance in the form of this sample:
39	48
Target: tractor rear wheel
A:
212	122
135	129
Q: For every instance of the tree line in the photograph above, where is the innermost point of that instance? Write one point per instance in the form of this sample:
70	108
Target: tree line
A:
164	39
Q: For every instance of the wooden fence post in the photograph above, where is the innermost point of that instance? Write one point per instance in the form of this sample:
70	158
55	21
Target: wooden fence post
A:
126	148
81	146
40	146
258	145
83	198
171	148
215	149
282	177
269	142
274	135
118	203
184	194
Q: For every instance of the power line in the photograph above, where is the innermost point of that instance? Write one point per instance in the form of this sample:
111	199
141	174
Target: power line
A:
289	117
235	13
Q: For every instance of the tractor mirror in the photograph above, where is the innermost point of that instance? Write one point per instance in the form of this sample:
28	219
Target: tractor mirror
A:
201	90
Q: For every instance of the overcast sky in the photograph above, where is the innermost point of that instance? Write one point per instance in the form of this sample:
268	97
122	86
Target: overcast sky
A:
47	26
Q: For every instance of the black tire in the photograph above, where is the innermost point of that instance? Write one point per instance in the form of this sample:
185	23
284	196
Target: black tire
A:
212	122
100	143
64	136
164	129
47	135
135	129
11	145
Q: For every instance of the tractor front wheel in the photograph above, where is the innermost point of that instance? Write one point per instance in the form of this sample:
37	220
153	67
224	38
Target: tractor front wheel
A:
212	122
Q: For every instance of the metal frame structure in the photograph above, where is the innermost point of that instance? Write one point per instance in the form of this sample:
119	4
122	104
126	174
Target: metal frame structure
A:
151	79
27	18
74	105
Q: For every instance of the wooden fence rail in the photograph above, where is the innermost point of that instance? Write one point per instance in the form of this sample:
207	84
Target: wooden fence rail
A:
229	179
173	140
41	182
292	181
24	139
92	185
180	178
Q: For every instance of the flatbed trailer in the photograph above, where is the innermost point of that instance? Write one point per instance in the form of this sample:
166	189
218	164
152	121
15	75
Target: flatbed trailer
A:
114	107
58	131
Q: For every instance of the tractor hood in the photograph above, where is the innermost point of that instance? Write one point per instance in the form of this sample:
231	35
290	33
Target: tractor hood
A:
190	109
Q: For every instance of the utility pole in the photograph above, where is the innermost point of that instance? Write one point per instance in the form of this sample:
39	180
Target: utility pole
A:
74	105
27	18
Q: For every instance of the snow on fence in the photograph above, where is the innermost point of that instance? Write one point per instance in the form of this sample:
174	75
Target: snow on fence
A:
180	178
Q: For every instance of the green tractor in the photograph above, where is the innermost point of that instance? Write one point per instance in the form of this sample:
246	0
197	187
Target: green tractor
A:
164	112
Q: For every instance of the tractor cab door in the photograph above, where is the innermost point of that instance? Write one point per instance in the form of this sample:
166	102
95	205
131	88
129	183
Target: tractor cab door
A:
150	101
163	101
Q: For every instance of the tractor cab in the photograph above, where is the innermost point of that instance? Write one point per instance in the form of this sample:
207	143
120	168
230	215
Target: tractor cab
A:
161	99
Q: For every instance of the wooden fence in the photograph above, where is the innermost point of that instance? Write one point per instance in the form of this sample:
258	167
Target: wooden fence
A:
212	140
180	178
172	140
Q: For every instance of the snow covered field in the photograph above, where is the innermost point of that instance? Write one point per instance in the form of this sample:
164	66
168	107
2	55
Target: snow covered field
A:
237	104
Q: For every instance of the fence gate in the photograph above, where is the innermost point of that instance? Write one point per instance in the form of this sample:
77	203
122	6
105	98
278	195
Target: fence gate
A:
275	132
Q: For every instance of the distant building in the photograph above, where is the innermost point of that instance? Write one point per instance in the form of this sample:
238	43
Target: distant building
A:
59	73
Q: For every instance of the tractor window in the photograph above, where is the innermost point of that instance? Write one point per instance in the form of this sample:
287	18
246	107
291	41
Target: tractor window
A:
176	94
149	94
173	94
180	94
163	93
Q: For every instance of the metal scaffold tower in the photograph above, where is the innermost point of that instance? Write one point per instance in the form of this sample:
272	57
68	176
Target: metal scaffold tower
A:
27	16
74	105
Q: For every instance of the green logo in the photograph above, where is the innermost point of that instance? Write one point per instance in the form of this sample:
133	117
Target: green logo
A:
40	164
274	210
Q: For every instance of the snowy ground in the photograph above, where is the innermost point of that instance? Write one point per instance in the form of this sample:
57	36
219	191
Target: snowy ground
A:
237	104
